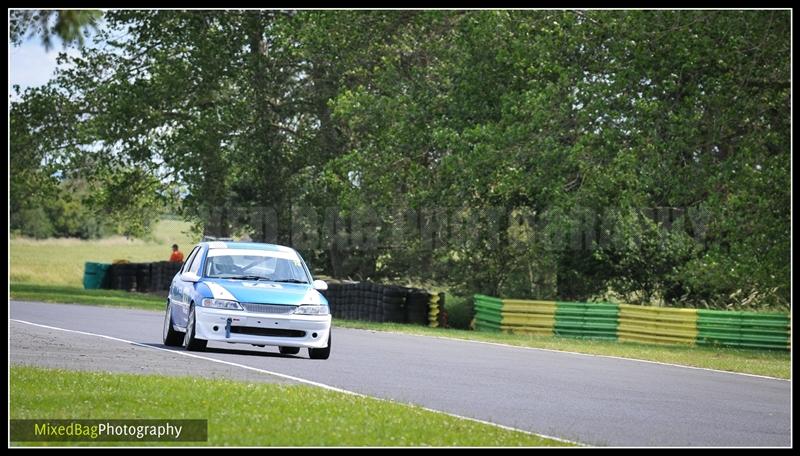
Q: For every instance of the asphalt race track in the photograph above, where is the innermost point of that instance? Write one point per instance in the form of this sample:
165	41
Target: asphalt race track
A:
588	399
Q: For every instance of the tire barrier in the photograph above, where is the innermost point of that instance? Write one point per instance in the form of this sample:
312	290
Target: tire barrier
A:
141	277
368	301
348	300
630	323
417	306
437	314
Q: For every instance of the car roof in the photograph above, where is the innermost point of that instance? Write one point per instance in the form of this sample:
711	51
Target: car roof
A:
246	245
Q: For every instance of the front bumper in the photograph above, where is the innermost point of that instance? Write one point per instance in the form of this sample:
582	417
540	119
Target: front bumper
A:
310	331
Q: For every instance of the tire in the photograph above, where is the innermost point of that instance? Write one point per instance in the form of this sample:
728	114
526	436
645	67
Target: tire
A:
320	353
169	336
189	341
289	350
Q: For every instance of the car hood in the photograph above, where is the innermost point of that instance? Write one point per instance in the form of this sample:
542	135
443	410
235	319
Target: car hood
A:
262	292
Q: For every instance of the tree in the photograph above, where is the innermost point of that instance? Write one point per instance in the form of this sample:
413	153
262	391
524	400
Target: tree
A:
515	153
68	25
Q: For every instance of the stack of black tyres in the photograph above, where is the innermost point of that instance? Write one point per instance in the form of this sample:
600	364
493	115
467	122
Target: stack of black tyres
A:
334	297
375	299
356	302
349	301
442	317
142	277
156	280
344	301
162	273
110	283
124	277
368	301
168	271
417	306
371	303
142	272
394	304
364	305
358	308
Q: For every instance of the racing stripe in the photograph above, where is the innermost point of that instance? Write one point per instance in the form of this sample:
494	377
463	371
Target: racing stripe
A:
219	291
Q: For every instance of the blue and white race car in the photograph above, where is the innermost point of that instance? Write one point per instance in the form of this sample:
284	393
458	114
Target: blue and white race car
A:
247	293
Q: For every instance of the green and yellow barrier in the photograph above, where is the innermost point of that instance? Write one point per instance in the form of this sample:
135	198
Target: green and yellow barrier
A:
629	323
580	319
488	316
744	329
530	317
657	325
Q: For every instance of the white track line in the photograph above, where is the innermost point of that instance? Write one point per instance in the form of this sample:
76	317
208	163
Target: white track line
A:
499	344
296	379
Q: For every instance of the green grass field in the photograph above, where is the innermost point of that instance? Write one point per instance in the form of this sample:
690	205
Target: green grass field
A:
246	414
61	261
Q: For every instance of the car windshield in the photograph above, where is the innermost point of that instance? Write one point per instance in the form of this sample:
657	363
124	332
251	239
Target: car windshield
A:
258	266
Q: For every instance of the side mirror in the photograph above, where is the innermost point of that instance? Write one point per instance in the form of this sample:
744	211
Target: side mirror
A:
190	277
319	285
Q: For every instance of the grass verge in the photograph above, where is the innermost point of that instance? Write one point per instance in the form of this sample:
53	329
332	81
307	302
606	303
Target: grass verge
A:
77	295
772	363
294	415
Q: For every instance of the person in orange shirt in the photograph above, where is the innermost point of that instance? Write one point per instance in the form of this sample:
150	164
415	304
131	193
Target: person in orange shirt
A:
177	256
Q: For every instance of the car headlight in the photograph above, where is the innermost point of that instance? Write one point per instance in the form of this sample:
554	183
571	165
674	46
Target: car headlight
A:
311	310
221	304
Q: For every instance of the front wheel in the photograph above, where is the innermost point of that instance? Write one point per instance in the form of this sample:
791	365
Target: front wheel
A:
169	336
320	353
189	341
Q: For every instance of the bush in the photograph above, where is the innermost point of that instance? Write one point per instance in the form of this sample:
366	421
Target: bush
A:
71	218
459	311
32	223
63	214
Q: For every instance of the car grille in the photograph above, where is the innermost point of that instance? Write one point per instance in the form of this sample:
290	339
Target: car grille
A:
268	308
274	332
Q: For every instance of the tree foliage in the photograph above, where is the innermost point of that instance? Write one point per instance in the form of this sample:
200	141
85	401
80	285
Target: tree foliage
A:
68	25
569	154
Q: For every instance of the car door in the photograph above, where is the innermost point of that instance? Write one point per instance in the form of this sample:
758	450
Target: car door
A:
180	291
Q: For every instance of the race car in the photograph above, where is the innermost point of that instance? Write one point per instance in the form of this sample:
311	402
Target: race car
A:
247	293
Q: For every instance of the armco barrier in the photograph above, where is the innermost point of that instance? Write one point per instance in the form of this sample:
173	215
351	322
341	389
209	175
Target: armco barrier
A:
579	319
488	313
631	323
657	325
743	329
529	317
